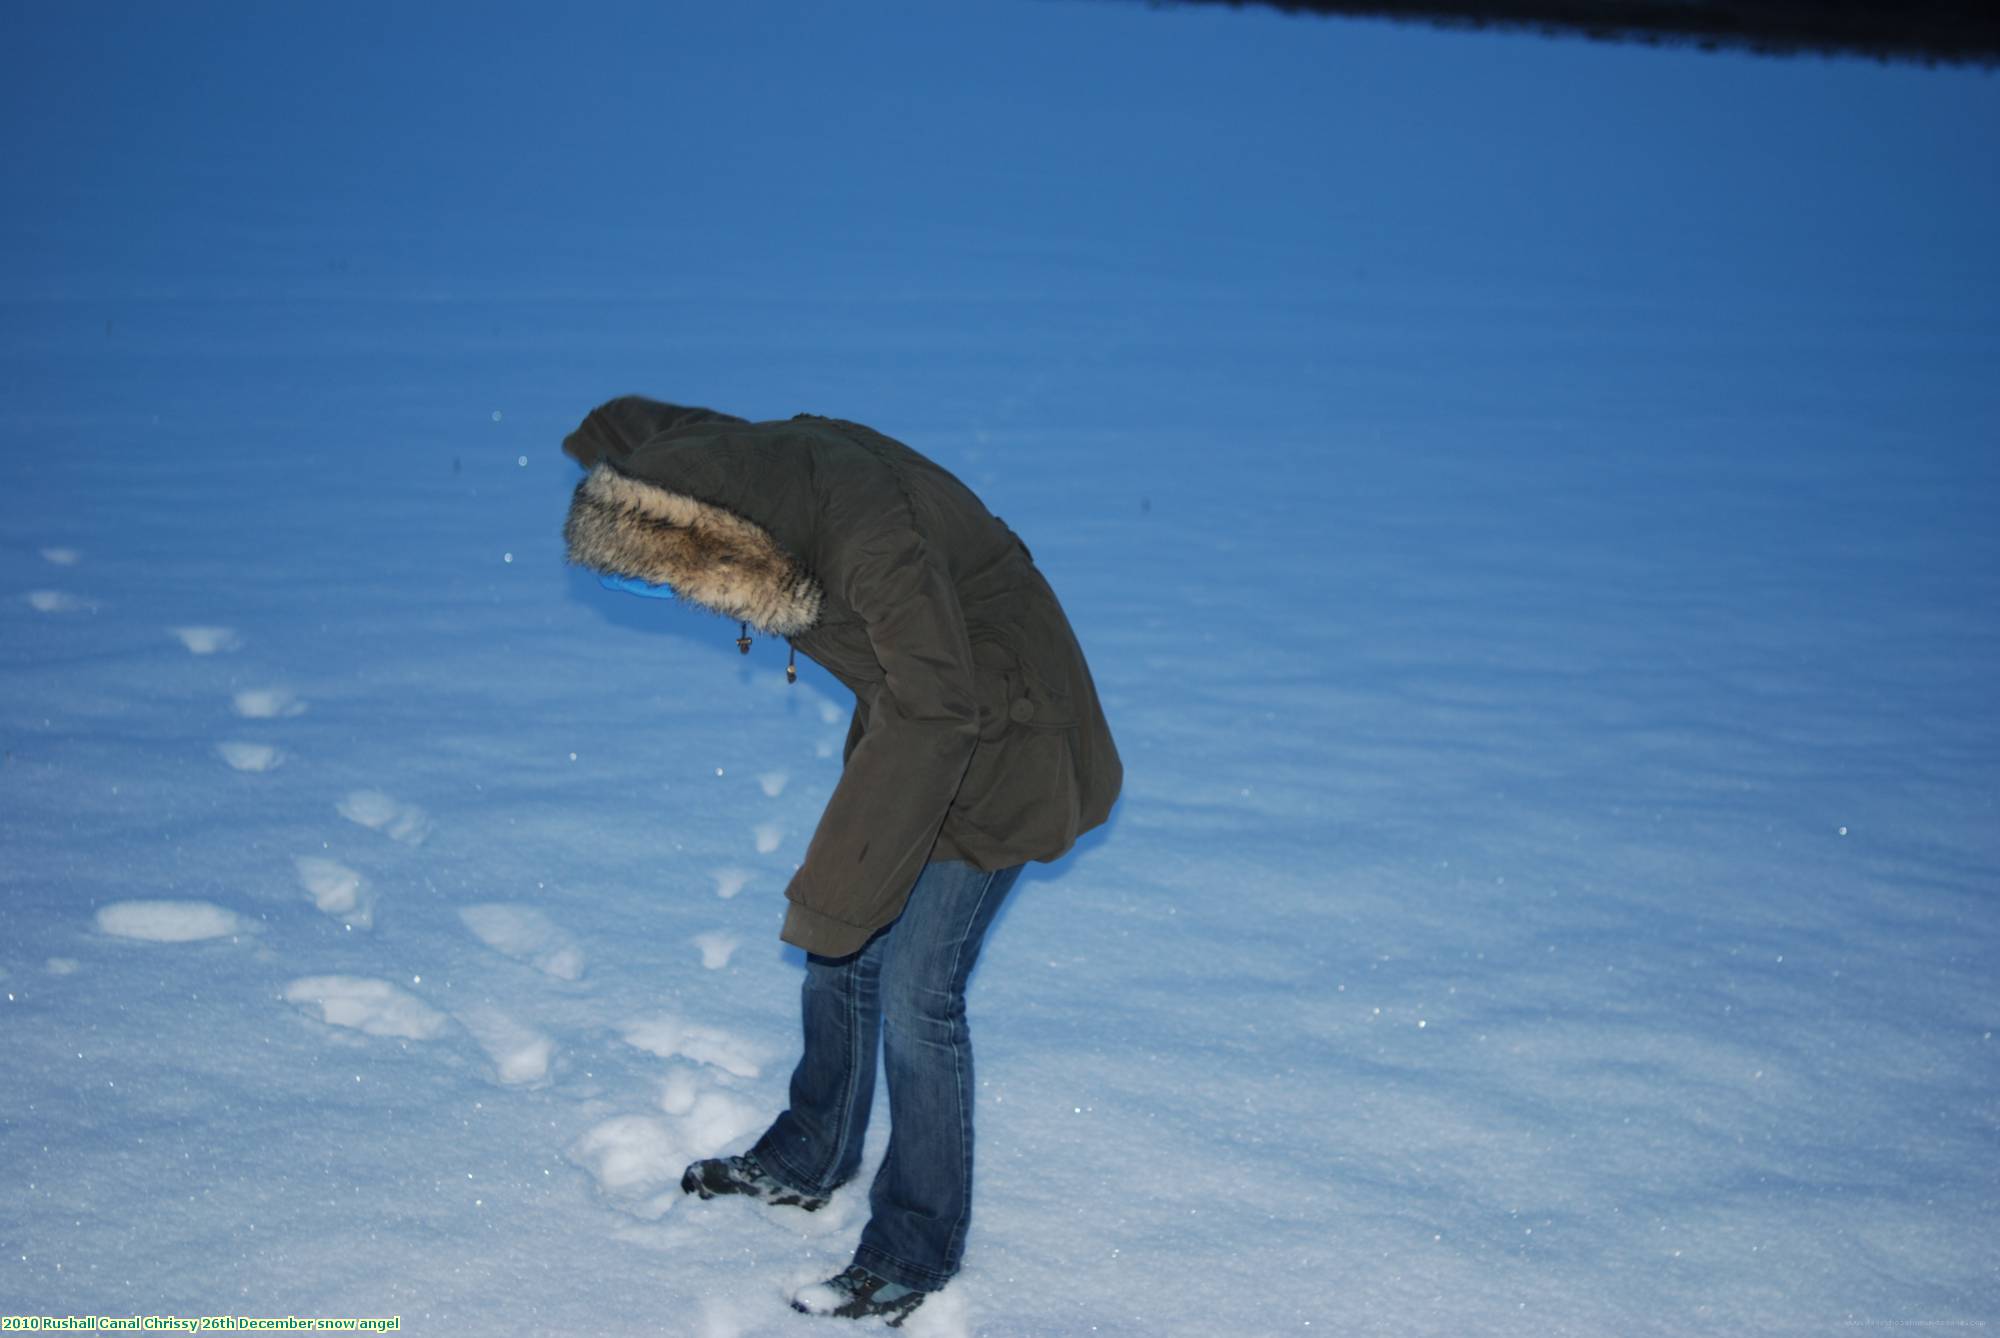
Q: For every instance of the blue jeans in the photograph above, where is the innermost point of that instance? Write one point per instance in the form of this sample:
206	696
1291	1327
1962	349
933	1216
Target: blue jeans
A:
907	987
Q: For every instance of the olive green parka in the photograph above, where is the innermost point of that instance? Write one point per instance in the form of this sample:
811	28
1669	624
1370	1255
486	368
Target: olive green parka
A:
977	733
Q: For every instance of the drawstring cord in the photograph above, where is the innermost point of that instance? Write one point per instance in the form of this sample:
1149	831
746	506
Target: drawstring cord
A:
791	660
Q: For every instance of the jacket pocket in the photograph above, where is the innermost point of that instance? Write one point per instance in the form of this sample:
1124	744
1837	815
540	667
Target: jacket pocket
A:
1012	694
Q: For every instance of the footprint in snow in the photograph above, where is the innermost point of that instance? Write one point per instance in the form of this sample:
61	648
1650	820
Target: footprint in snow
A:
170	921
773	783
728	882
527	935
769	835
207	640
251	756
716	949
392	817
668	1036
267	704
373	1007
58	601
520	1054
337	890
61	557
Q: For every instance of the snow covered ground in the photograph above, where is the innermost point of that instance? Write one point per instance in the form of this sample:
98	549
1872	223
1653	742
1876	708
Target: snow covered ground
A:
1529	507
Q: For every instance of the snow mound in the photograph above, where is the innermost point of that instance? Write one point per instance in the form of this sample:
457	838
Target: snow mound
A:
818	1299
717	1120
635	1160
944	1314
679	1090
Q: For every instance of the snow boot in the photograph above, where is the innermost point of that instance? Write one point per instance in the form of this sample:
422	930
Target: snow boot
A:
744	1175
859	1294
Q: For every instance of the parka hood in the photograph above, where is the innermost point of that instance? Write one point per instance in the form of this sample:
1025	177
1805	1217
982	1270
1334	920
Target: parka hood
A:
618	427
711	556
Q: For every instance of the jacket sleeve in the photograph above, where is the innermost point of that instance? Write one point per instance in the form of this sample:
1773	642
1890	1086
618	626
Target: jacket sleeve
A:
905	770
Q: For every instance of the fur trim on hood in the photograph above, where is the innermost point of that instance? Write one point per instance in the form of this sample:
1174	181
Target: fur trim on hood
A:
710	556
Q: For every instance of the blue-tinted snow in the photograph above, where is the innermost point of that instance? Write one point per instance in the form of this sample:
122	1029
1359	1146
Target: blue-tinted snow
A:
1529	506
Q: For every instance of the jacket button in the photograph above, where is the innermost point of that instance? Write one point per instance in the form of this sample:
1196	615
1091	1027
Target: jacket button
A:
1022	710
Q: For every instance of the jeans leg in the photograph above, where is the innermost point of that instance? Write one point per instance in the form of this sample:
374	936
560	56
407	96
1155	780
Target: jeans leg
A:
921	1200
815	1145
